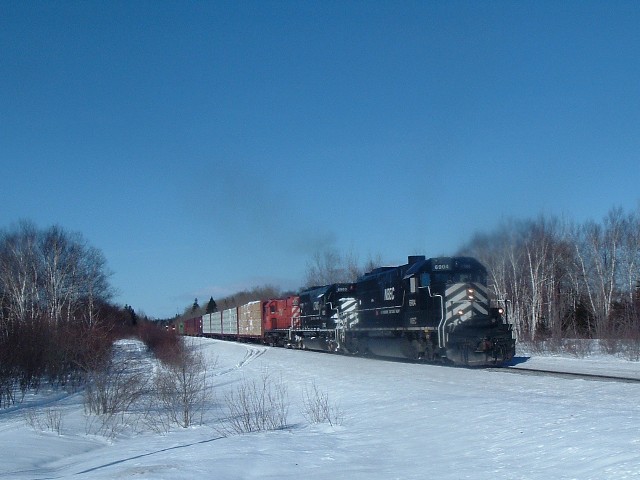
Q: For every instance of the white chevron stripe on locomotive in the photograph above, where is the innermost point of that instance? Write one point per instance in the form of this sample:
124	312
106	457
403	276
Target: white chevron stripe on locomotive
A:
458	301
295	316
458	292
348	313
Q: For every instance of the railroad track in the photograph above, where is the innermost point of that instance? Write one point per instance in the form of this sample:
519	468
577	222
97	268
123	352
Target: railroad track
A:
573	375
520	370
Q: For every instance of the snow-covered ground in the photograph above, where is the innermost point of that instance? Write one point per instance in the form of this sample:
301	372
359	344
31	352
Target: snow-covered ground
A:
400	421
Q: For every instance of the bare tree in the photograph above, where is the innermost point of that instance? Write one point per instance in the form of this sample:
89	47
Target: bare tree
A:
558	279
597	249
527	262
19	273
44	273
329	266
630	258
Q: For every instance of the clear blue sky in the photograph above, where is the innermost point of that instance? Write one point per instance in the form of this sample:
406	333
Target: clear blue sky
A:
207	147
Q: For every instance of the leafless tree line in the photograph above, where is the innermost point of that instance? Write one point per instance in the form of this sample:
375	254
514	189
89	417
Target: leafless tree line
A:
53	286
50	274
559	279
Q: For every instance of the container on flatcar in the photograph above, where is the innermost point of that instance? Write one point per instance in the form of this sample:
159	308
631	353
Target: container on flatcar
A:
206	324
216	323
250	320
230	321
212	324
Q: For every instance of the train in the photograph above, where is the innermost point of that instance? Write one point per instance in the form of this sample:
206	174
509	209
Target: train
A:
429	309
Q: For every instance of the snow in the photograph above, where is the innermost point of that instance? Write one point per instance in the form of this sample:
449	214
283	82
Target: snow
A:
400	421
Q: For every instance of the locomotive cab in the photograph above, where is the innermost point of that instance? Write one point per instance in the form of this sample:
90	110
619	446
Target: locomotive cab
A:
325	312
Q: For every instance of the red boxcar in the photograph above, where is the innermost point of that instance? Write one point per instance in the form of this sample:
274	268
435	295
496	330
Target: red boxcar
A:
191	326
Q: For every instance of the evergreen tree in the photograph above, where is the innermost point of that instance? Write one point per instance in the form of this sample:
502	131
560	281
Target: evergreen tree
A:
211	306
133	317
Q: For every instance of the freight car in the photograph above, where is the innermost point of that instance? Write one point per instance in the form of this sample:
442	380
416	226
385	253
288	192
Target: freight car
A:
223	324
189	326
435	309
265	321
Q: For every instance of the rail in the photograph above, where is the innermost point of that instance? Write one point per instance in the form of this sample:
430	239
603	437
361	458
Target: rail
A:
560	374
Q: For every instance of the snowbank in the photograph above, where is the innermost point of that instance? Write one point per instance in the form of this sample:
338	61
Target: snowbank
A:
400	421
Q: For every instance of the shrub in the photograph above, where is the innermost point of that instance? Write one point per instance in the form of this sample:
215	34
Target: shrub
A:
317	408
49	419
165	344
256	406
180	391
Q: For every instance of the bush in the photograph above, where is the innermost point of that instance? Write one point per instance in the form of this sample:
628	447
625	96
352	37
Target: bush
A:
180	392
256	406
318	409
165	344
49	419
112	389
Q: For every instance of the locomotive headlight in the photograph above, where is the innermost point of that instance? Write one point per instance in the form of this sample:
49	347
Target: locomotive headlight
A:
460	312
470	293
500	310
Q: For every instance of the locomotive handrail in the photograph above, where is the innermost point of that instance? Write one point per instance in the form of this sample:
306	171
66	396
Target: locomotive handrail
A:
441	338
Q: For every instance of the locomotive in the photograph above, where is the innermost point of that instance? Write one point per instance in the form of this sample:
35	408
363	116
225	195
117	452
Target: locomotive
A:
435	309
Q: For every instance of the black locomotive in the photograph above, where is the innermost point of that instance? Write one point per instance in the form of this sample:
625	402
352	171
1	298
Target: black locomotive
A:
431	309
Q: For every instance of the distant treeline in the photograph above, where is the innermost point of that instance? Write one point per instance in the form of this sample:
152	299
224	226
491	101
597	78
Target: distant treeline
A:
325	267
234	300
